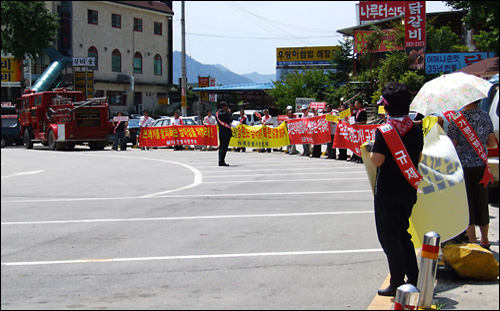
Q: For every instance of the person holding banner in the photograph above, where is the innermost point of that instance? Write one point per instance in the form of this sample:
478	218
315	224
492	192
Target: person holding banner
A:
120	127
292	150
242	119
471	131
396	152
224	120
306	114
360	117
145	121
209	119
177	121
343	152
267	120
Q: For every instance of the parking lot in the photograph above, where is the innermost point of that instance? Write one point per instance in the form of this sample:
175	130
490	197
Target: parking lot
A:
163	229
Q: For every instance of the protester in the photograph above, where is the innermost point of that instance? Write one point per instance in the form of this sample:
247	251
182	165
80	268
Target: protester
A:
145	121
224	120
292	150
343	152
360	117
395	191
119	130
177	121
473	166
209	119
332	152
267	120
242	119
306	147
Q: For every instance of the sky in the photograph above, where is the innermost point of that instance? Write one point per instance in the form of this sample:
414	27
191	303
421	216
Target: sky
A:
243	35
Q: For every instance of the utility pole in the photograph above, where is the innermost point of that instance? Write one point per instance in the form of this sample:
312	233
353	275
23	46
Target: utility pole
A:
183	53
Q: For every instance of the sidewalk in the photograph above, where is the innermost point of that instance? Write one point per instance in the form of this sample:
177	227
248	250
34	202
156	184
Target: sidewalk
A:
454	293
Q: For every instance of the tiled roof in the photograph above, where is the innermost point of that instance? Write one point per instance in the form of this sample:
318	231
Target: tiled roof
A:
482	66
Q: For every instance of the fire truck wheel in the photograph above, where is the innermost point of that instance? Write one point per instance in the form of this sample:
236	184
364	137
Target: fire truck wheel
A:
52	140
28	143
4	142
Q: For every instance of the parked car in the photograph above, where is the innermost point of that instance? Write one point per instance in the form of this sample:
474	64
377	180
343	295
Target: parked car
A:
167	121
251	117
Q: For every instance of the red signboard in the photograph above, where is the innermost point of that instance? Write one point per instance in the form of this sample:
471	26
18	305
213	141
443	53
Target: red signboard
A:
317	105
360	40
376	10
314	131
161	136
415	24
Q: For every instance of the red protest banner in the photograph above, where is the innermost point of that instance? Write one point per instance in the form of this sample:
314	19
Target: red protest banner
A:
314	131
353	136
198	135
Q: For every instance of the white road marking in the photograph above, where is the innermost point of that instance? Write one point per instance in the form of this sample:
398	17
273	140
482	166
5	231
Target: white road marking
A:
190	257
23	173
51	222
185	196
281	181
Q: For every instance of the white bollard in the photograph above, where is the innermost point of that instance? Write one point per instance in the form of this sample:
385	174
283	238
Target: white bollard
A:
428	268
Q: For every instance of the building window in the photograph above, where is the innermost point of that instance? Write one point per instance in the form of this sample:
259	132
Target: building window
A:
116	61
157	65
137	62
158	29
116	21
92	17
138	24
116	98
92	52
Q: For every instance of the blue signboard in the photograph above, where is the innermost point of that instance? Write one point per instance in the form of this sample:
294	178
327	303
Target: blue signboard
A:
451	62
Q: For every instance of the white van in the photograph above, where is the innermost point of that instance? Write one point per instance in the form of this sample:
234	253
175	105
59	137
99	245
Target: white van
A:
251	117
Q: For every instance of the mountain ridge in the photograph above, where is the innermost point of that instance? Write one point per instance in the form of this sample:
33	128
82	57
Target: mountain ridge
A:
223	75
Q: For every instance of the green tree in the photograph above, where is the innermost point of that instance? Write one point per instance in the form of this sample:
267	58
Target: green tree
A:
299	83
483	16
27	28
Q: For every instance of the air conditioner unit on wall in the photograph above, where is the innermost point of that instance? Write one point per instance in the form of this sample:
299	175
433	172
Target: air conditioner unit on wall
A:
123	79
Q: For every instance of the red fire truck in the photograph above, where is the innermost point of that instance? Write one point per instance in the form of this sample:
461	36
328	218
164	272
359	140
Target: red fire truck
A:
62	119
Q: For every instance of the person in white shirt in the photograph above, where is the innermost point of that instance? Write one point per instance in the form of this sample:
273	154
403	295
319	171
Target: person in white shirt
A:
266	120
145	121
177	121
209	119
306	114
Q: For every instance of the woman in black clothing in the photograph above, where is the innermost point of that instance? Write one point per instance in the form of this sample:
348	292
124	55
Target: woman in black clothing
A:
394	195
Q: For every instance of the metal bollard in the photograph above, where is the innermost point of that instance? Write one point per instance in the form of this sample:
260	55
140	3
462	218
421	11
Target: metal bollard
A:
406	298
428	267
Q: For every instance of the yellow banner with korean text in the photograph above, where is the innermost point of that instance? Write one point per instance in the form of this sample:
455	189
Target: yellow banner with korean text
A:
261	136
442	199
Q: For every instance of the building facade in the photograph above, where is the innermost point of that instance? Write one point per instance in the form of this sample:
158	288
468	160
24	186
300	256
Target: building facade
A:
131	43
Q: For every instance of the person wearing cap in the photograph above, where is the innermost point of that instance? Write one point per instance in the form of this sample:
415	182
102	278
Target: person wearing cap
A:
292	150
395	191
224	121
145	121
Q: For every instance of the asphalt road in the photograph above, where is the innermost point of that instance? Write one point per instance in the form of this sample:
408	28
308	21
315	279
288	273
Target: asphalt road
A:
164	229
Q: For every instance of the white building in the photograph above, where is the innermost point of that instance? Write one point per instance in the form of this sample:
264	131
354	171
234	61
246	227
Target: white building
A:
131	42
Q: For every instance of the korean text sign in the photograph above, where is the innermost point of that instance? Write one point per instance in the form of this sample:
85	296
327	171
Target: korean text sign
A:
415	24
162	136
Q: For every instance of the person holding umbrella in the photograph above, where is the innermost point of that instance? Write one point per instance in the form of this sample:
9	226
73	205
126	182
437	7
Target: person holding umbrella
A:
465	129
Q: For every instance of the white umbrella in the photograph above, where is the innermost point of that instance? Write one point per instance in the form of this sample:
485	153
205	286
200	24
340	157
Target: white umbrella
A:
450	92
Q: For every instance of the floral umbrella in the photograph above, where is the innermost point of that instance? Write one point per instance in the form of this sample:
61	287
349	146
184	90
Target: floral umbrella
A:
450	92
